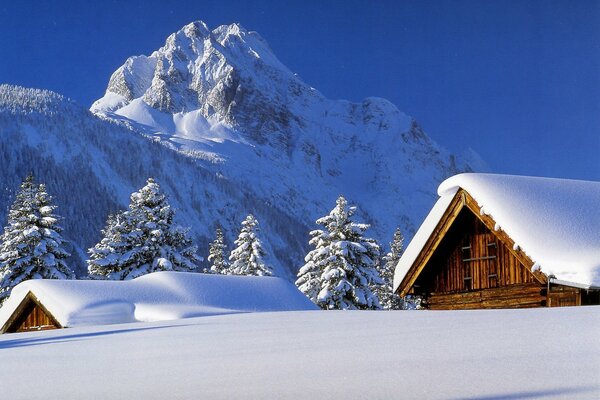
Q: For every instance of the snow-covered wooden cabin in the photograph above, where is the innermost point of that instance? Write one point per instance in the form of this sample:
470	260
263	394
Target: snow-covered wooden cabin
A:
41	304
500	241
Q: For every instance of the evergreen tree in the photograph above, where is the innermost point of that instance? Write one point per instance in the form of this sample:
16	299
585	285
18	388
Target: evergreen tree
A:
104	256
142	239
340	271
247	257
389	300
216	256
31	246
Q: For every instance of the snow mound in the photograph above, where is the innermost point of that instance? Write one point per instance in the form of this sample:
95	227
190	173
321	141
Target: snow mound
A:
157	296
556	222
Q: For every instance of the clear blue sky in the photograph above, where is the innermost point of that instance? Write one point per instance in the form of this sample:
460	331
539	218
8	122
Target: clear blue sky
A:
519	81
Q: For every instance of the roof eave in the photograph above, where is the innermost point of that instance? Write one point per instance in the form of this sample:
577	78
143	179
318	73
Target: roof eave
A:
574	284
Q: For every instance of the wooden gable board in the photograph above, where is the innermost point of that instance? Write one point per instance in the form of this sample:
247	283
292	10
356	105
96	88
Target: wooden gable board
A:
30	298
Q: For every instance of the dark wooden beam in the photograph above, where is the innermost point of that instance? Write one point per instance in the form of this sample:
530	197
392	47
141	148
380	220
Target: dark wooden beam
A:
432	243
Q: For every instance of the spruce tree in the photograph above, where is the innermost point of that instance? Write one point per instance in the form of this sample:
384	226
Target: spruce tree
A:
31	246
216	257
247	257
104	256
142	239
389	300
340	271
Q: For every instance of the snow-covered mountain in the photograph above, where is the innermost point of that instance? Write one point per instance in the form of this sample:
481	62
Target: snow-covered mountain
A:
227	130
222	96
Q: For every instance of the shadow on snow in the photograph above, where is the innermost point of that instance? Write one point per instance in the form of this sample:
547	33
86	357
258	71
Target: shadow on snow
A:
36	341
535	394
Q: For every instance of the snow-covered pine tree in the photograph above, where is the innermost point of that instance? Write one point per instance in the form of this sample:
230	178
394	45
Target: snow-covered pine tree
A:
31	246
142	239
341	270
216	254
104	256
247	257
389	300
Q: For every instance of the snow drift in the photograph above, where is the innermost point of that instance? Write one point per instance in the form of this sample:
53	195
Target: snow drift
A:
157	296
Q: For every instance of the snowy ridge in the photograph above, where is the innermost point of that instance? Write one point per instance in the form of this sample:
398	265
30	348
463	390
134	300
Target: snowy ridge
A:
158	296
554	221
222	96
24	100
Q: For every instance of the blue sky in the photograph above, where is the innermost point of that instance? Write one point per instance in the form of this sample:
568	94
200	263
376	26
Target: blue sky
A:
518	81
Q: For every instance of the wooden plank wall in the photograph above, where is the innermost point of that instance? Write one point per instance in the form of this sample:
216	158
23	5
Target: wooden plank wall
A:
472	251
33	318
564	296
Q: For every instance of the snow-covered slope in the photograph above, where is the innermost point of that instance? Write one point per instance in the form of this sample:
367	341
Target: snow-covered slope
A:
224	97
483	354
91	166
159	296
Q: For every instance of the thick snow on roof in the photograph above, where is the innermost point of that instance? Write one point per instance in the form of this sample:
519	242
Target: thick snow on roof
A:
556	222
157	296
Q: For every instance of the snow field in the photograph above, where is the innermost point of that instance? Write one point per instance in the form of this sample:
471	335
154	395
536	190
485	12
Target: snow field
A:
487	354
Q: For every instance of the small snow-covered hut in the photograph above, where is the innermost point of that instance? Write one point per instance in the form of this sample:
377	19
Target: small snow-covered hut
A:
501	241
41	304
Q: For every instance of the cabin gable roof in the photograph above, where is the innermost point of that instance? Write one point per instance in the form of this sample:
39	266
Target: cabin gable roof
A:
460	201
29	299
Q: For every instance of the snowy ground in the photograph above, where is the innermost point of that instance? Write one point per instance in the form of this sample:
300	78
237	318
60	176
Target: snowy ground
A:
508	354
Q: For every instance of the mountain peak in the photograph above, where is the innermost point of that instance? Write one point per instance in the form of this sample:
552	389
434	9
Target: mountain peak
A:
196	69
196	29
222	96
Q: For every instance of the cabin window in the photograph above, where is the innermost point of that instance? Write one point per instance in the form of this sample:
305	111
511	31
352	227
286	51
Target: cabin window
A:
492	249
479	264
466	258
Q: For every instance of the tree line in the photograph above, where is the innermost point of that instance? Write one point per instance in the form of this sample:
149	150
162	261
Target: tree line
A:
345	269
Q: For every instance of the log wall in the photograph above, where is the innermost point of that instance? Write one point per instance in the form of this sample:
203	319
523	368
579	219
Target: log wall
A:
515	296
31	317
